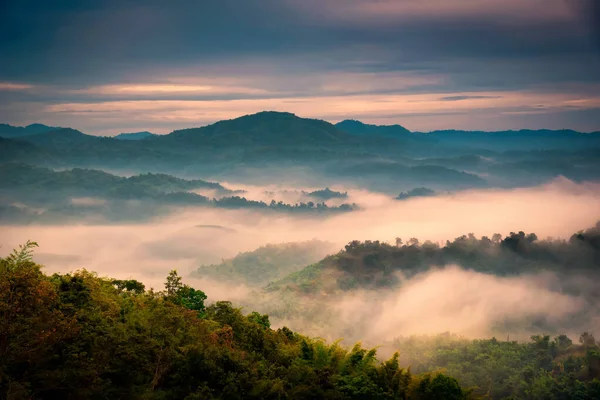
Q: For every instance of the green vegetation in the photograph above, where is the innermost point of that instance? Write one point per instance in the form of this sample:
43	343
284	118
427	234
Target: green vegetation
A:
267	263
80	336
541	369
373	264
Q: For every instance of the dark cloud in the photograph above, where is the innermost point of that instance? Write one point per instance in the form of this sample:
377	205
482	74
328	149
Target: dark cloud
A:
475	46
65	40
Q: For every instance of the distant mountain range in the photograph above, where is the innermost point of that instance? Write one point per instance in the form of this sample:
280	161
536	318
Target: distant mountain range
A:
271	128
273	142
9	131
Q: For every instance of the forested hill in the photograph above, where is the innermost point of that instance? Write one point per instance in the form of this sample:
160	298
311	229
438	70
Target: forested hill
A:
373	264
267	263
34	194
79	336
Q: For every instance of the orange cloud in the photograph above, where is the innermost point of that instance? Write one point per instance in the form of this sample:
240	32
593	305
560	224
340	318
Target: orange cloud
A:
338	107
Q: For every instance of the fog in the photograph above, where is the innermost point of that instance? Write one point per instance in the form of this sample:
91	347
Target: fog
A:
443	299
466	303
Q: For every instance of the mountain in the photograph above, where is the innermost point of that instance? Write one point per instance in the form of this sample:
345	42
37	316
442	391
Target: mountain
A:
9	131
266	146
524	139
62	138
360	128
18	150
135	136
268	128
90	182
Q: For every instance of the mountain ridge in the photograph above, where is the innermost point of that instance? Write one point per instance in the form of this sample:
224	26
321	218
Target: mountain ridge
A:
135	135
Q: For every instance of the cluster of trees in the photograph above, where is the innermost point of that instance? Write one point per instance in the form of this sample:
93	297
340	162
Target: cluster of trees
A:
372	264
542	369
80	336
327	194
242	202
416	192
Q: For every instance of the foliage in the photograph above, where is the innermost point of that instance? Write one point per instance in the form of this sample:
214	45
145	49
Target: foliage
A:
23	254
80	336
543	368
374	264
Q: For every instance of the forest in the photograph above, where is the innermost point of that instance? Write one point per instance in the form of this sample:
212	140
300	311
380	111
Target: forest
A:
300	199
81	335
78	335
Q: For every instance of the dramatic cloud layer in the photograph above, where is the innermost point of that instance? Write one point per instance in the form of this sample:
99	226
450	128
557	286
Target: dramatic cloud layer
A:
486	64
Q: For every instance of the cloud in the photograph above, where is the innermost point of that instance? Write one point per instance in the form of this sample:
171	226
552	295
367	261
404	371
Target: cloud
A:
272	49
556	209
458	98
443	299
370	108
144	90
467	303
14	86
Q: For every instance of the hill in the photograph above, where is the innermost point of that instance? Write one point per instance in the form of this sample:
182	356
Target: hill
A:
135	135
359	128
372	264
19	150
9	131
62	138
524	139
266	128
266	264
92	195
79	336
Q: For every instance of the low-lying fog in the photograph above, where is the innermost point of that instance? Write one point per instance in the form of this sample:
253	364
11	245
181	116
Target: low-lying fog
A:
444	299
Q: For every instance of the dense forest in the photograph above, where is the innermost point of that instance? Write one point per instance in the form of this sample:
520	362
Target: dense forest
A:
80	336
543	368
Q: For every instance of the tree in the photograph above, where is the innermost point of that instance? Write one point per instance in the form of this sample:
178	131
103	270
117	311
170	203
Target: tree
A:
440	387
184	295
587	339
192	299
173	283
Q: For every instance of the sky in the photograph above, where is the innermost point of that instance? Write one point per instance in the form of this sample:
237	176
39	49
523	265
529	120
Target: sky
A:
112	66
